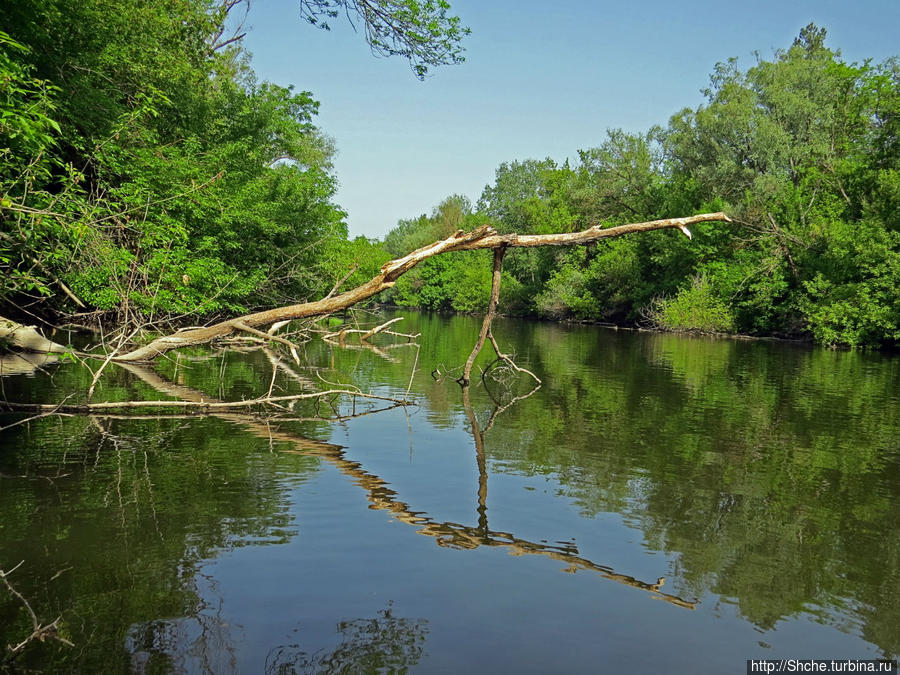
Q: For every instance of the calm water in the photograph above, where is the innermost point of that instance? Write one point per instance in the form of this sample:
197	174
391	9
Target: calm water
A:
660	504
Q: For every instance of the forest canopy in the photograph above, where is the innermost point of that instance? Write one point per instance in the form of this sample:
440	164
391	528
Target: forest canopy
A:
802	150
147	175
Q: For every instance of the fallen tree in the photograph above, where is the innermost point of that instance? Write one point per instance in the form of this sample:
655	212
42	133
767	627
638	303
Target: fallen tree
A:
484	237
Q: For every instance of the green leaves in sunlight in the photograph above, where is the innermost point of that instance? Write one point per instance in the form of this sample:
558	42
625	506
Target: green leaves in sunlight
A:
149	172
800	150
421	31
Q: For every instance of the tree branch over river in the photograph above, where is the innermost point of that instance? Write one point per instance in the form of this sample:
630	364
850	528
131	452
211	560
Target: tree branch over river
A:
480	238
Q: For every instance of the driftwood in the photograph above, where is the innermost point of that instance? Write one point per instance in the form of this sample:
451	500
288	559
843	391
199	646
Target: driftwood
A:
27	339
484	237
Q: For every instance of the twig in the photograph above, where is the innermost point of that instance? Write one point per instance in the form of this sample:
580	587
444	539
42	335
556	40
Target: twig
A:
380	328
366	333
251	417
206	405
341	281
258	333
55	411
500	408
412	374
38	632
108	359
507	359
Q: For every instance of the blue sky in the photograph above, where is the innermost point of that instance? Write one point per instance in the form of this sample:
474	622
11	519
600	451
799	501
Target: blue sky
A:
541	79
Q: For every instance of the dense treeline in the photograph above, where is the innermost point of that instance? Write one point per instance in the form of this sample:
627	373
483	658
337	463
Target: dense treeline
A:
147	174
802	150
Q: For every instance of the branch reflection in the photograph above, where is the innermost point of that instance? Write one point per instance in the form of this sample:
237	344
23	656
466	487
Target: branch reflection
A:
382	497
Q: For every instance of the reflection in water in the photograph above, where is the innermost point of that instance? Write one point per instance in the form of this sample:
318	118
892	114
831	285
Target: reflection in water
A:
382	644
455	535
202	642
24	363
464	537
761	478
382	497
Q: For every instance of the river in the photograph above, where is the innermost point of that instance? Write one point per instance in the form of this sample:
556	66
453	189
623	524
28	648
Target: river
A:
661	503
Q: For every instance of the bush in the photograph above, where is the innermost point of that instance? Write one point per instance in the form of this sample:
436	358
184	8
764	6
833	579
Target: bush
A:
694	309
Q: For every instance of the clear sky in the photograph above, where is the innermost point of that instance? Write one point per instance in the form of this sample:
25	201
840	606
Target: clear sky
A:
541	79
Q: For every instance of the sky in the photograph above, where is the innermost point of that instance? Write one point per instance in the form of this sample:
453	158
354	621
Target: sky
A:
541	79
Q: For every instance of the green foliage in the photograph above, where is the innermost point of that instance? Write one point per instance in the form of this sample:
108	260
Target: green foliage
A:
696	309
801	150
797	148
854	297
418	30
167	180
28	137
450	215
148	173
461	282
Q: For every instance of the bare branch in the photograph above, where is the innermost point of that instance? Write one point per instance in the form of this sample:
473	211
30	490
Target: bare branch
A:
258	333
488	317
39	632
202	404
483	237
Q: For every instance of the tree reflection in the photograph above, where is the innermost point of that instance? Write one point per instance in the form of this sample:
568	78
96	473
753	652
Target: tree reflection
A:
382	497
385	643
768	475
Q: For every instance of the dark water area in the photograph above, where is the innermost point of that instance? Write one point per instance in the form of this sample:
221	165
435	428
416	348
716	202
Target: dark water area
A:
660	504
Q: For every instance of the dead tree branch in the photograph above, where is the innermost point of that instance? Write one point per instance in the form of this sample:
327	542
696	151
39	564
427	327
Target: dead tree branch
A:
487	333
483	237
488	317
202	404
506	358
269	336
367	333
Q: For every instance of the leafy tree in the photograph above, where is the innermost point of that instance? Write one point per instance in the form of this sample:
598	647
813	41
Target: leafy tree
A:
148	174
419	30
796	147
28	132
167	159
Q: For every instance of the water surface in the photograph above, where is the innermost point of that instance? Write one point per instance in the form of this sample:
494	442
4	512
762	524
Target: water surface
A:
660	503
